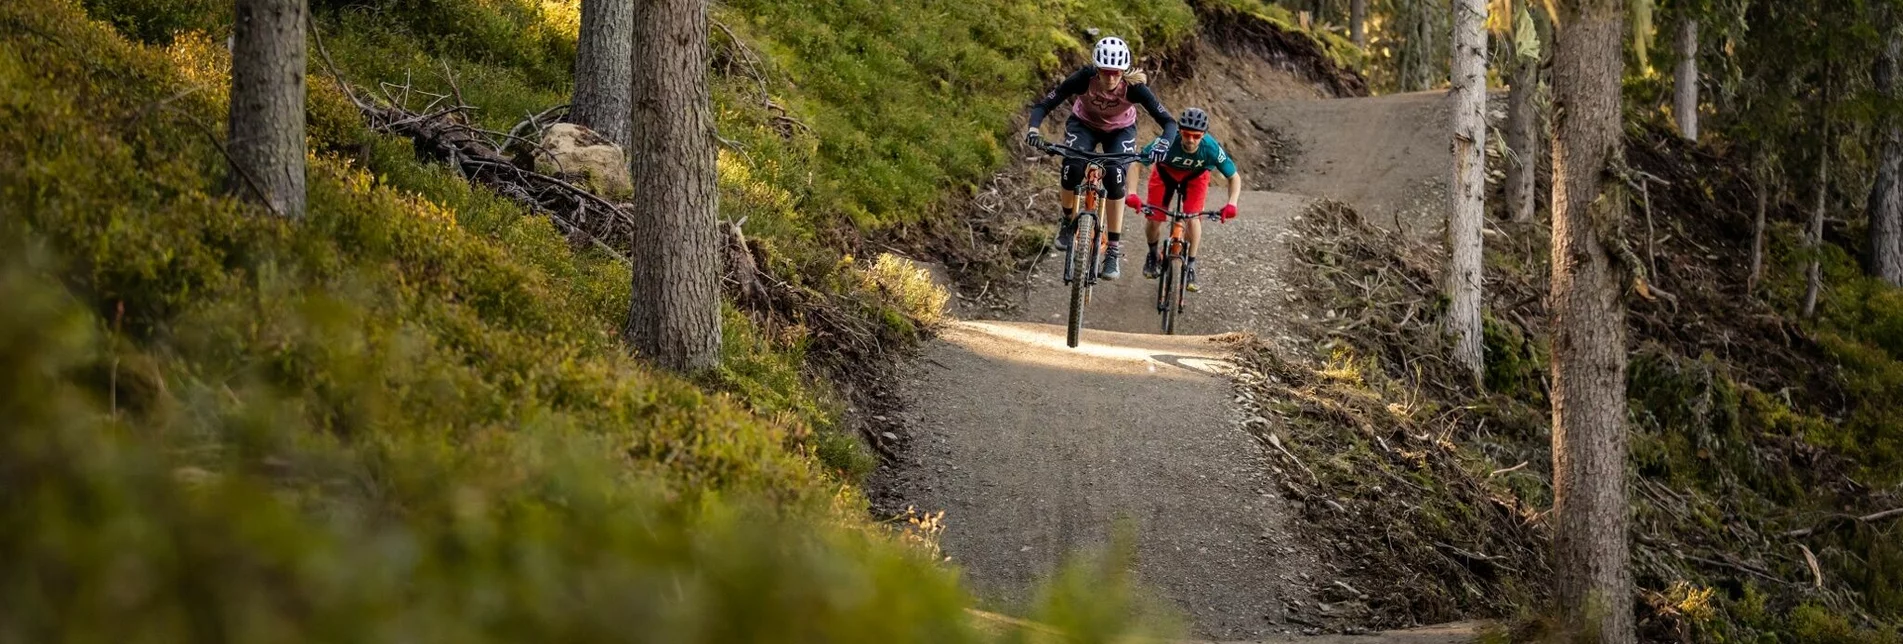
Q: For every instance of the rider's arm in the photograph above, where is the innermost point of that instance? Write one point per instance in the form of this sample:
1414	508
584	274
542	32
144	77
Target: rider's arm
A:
1076	84
1228	168
1141	95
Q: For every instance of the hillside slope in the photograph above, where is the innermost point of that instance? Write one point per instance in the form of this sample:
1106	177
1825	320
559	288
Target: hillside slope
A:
409	416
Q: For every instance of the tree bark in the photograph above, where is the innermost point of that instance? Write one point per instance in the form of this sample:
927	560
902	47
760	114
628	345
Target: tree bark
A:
1814	236
1358	22
1590	506
1417	56
266	135
1685	82
1468	215
604	72
1523	139
674	318
1886	199
1757	232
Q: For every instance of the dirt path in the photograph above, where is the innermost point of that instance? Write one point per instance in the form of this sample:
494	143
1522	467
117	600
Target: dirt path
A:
1035	450
1388	156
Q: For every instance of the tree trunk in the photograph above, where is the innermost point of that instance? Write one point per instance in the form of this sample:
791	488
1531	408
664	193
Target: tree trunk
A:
1593	587
1685	107
1426	64
1358	22
1757	232
1468	215
1886	200
266	136
604	72
1814	237
1523	139
674	318
1417	57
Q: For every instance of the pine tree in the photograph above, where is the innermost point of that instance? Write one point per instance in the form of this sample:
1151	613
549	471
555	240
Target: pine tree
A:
1593	587
1467	216
604	75
266	136
674	316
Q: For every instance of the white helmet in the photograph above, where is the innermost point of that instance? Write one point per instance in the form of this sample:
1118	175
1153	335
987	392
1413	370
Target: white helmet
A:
1112	53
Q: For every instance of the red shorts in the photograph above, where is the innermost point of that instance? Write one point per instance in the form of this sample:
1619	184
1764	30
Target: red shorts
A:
1193	191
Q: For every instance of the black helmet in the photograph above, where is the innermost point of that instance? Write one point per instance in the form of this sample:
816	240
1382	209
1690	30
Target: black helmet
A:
1195	119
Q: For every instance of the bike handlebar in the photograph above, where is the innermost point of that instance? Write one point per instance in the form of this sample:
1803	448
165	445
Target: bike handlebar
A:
1212	215
1113	158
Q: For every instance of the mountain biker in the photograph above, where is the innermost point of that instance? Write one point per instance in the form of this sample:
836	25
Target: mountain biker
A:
1185	170
1102	116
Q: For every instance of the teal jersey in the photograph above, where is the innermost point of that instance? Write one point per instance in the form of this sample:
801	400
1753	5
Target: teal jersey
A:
1208	156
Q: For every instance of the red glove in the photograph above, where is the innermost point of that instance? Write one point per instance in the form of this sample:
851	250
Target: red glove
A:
1228	212
1133	202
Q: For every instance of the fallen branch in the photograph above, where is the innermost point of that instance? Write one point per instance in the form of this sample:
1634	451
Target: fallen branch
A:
1734	566
1868	518
1810	558
1515	468
1277	442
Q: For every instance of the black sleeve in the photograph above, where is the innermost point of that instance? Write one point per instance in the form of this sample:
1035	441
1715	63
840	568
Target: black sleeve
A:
1076	84
1141	95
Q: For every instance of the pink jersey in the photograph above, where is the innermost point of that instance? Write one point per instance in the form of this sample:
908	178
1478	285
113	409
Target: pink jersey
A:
1103	108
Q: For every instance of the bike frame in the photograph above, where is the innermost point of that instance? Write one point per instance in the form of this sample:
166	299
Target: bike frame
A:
1088	199
1087	249
1171	284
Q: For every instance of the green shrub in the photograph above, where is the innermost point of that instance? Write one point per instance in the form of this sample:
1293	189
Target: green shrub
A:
236	522
159	21
1816	625
533	38
1515	365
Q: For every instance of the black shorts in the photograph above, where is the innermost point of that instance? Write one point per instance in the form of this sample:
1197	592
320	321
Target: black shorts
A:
1083	137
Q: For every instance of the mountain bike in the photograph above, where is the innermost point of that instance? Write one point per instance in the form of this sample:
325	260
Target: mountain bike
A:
1170	283
1080	260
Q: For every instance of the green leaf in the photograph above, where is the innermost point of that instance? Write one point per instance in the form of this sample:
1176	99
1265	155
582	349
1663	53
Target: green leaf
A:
1526	37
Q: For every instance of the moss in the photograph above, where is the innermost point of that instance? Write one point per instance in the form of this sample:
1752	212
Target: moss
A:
1811	623
1339	50
1515	366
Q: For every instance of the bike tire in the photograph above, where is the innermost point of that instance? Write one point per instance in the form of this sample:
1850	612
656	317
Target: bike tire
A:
1070	260
1078	266
1172	294
1096	257
1162	286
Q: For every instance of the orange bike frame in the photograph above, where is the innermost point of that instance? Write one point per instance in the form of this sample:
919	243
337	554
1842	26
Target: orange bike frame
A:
1091	178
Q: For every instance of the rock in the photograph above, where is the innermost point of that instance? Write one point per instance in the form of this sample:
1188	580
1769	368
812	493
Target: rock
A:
576	152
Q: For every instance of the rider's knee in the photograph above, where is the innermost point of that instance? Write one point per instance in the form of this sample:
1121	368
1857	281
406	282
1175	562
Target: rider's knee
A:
1072	176
1113	184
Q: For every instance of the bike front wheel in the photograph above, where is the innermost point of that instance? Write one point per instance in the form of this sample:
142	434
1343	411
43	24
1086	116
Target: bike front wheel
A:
1172	303
1080	269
